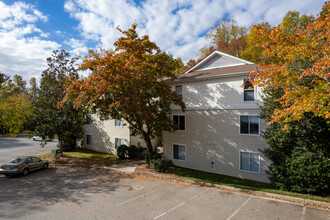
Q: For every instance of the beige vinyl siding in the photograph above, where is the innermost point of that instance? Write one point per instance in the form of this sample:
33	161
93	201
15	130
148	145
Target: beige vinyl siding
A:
213	136
218	61
221	93
104	134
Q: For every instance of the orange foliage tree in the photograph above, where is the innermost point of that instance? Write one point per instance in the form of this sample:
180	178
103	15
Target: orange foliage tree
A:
298	65
130	82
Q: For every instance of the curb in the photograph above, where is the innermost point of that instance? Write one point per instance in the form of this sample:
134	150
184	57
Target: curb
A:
290	199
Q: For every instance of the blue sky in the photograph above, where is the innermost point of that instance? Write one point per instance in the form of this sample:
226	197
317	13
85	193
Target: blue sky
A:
31	29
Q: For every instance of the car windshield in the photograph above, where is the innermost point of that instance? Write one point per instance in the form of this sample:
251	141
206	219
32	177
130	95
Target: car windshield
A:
16	160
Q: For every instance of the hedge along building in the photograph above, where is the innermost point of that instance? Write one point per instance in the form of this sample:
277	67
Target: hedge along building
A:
220	130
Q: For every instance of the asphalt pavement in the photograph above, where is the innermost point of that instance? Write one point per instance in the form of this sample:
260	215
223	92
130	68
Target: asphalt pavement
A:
22	146
67	193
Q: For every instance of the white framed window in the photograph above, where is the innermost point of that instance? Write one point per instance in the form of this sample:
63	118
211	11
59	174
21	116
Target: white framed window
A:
249	124
179	152
119	122
178	89
89	139
249	161
89	119
179	122
248	94
118	142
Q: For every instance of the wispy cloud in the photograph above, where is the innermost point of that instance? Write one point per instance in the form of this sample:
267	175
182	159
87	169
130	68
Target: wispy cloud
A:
20	52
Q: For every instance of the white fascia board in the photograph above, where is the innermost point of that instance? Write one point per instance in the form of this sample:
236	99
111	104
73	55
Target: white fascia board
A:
219	53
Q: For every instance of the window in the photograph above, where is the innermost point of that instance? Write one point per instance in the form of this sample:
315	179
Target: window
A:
89	119
118	122
88	139
179	152
249	124
179	122
118	142
250	161
178	90
36	160
248	91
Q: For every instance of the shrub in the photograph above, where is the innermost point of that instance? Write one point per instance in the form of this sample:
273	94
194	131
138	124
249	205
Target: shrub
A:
122	151
133	152
160	165
155	156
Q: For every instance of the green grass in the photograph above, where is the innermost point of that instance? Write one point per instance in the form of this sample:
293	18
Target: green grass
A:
85	158
239	183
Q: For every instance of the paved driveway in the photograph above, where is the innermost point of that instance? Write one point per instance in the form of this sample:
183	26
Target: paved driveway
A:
13	147
89	194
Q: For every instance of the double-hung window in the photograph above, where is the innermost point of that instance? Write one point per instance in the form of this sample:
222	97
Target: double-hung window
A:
118	122
89	139
118	142
179	152
178	89
250	161
179	122
249	124
248	91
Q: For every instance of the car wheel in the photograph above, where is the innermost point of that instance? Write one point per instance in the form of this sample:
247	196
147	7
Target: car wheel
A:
45	166
25	171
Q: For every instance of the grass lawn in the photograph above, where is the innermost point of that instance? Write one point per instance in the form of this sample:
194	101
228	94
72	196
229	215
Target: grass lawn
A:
85	158
239	183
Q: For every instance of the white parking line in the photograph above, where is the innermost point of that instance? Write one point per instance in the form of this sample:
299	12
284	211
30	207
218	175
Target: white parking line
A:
239	208
136	198
181	204
303	213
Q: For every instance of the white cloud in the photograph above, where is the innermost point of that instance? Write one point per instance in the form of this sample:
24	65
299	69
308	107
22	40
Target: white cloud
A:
78	47
20	53
176	25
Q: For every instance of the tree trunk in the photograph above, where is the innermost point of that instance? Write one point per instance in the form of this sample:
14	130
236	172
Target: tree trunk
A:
149	146
60	141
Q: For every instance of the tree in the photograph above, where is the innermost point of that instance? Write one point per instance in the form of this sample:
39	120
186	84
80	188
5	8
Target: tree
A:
227	37
129	82
52	119
251	51
15	106
295	81
297	64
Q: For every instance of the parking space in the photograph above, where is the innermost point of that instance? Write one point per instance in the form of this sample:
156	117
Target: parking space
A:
93	194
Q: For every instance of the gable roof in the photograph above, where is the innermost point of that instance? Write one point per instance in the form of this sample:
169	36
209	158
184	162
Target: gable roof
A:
203	74
235	61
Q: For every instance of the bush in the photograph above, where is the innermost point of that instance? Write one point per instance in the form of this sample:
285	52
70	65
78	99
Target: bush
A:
160	165
155	156
133	152
122	151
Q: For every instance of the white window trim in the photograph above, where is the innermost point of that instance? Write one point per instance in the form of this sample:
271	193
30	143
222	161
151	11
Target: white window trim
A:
185	152
185	121
239	123
86	140
239	159
122	142
181	89
254	93
122	123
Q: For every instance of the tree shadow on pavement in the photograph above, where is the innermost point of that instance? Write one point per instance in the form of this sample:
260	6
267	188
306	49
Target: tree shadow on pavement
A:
21	195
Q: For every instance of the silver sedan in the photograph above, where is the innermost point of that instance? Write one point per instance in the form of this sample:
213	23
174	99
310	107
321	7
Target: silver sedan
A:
23	165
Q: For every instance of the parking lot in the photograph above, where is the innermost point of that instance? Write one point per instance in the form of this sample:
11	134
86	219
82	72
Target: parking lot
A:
22	146
66	193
